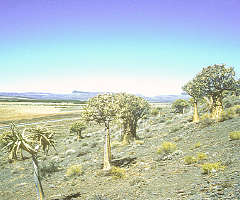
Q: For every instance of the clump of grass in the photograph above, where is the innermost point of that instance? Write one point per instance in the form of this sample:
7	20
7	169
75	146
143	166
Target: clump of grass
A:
74	170
234	135
118	173
197	145
188	160
237	109
212	167
202	156
139	142
167	147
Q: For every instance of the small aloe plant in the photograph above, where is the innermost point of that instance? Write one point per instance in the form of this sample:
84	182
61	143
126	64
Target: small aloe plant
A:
16	141
78	127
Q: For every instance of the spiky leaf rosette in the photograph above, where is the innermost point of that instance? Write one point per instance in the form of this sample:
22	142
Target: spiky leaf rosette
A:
42	137
14	141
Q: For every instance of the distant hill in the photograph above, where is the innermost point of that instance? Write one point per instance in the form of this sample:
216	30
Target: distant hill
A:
82	96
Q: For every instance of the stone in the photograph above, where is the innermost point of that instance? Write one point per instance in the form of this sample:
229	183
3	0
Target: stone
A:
69	152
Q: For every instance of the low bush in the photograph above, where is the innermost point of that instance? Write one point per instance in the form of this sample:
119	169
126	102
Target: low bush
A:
197	145
234	135
74	170
118	173
188	160
212	167
167	147
201	156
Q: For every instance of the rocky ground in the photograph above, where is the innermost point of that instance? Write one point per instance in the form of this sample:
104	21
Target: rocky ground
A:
146	174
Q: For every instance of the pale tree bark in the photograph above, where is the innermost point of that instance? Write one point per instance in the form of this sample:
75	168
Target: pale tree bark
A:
195	112
37	180
107	151
217	109
209	102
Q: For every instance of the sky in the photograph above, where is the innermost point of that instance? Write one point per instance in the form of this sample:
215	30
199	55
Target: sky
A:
151	47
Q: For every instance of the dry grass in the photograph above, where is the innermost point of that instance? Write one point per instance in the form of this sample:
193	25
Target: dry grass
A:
18	111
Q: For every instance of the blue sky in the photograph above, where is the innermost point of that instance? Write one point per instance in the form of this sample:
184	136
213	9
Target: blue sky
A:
151	47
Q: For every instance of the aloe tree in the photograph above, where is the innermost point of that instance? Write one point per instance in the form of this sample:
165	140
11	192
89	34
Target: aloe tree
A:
193	89
214	80
102	109
16	141
130	109
78	127
179	105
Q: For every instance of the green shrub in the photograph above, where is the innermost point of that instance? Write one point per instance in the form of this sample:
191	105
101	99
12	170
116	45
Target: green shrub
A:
201	156
74	170
197	145
237	109
212	167
188	160
167	147
234	135
118	173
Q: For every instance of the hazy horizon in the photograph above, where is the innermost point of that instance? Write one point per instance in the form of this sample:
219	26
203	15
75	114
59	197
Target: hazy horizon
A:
143	47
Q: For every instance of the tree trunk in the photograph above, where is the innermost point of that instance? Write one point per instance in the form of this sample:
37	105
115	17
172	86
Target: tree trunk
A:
217	109
195	112
38	184
79	135
210	103
107	151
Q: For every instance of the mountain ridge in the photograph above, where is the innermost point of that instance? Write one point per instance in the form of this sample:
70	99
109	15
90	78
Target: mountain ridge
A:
84	96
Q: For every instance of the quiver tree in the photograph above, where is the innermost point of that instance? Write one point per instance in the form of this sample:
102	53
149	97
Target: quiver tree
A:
16	141
237	92
214	80
193	89
130	109
78	127
180	105
102	109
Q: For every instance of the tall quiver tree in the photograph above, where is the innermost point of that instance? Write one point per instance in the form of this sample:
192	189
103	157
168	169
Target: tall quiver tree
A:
193	89
130	109
102	109
214	80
